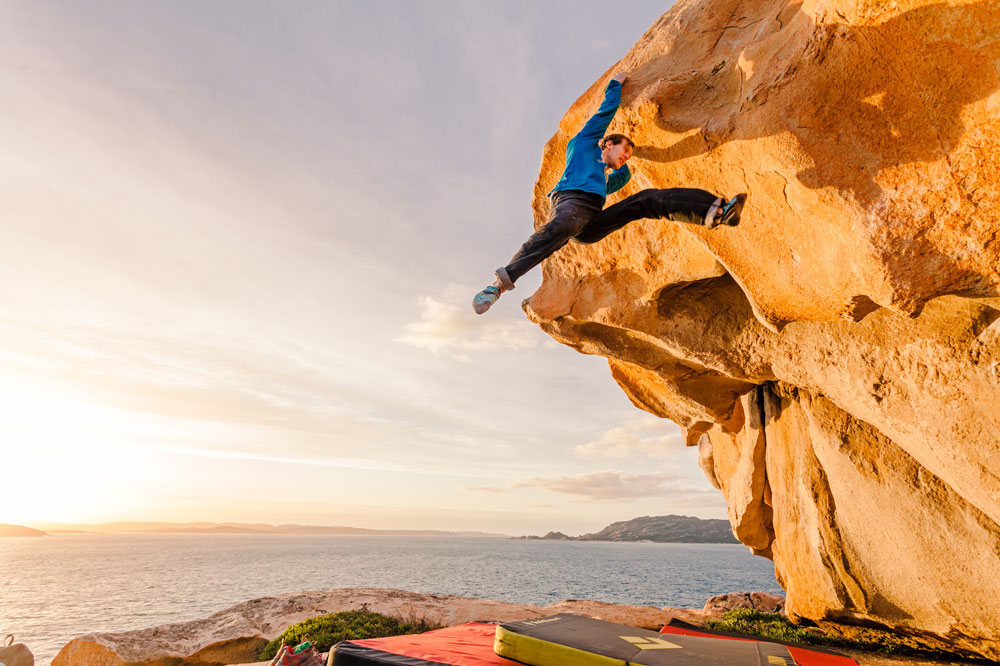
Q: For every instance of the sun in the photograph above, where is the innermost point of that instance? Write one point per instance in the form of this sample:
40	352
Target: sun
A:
64	459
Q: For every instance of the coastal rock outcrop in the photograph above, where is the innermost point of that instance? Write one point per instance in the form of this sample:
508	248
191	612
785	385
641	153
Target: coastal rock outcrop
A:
761	601
237	634
836	357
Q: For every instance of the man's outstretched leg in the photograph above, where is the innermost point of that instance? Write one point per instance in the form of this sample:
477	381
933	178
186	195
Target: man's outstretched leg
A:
572	210
678	204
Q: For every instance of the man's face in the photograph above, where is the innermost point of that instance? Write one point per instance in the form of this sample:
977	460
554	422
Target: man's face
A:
615	155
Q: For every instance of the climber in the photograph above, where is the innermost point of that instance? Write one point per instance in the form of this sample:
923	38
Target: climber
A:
578	198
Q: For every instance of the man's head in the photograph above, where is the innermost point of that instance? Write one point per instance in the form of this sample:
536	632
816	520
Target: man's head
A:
616	149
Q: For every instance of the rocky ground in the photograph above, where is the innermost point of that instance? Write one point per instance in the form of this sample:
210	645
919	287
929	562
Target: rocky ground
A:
236	635
863	658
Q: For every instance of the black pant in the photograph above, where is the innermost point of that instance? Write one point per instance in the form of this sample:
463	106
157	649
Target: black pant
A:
577	215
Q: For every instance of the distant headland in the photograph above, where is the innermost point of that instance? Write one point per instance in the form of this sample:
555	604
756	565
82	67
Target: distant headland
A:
19	531
133	527
660	529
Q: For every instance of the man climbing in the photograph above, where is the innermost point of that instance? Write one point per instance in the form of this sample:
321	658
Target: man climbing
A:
578	198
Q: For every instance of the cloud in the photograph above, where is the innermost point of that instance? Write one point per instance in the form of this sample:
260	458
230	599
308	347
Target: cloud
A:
340	463
642	434
611	485
448	326
483	489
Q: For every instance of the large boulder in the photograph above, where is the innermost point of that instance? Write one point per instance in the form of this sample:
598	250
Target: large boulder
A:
836	357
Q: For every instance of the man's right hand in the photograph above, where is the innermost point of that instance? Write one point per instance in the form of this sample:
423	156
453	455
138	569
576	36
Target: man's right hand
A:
620	77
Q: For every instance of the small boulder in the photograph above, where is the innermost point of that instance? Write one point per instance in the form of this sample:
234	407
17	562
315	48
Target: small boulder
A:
17	654
761	601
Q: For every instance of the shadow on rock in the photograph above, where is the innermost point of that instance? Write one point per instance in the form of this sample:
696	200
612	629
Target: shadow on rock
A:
877	96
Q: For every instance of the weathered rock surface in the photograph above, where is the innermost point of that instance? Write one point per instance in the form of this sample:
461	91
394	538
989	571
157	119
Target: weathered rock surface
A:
836	357
762	601
237	634
16	654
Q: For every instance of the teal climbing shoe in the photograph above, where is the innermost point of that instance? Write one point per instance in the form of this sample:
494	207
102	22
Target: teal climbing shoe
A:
484	299
731	210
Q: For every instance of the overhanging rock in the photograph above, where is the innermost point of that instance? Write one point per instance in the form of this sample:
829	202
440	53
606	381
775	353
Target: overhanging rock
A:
837	354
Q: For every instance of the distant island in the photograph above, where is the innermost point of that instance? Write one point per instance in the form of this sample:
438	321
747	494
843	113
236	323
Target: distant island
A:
19	531
122	527
661	529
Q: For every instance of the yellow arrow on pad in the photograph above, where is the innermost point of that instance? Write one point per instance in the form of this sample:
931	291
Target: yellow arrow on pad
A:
649	643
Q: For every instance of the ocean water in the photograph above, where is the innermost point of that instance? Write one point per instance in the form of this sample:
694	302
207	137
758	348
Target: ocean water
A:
53	589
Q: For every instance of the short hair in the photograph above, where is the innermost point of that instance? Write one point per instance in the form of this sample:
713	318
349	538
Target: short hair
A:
615	139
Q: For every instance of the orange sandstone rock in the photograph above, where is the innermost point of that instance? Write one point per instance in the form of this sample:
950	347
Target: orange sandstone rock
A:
836	357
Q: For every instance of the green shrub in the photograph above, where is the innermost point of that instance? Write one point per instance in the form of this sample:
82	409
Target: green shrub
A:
768	625
775	626
327	630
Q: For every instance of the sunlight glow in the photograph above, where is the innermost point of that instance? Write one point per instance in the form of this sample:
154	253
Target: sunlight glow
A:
71	458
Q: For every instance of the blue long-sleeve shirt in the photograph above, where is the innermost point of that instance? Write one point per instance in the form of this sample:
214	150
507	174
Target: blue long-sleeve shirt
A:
584	166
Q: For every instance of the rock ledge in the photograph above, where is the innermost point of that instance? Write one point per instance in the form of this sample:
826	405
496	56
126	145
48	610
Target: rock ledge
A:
236	635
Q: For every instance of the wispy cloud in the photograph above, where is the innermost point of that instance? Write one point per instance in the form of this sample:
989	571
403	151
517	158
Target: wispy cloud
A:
340	463
609	485
447	325
641	434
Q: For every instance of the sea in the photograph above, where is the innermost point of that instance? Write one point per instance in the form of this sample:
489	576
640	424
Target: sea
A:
55	588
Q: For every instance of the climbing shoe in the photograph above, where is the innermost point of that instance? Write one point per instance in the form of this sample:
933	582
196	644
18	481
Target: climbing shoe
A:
731	210
713	214
484	299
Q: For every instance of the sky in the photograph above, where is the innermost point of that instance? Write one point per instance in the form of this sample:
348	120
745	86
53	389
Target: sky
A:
238	246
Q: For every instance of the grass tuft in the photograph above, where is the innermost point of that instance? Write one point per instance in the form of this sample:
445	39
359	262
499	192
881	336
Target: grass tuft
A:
775	626
768	625
327	630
